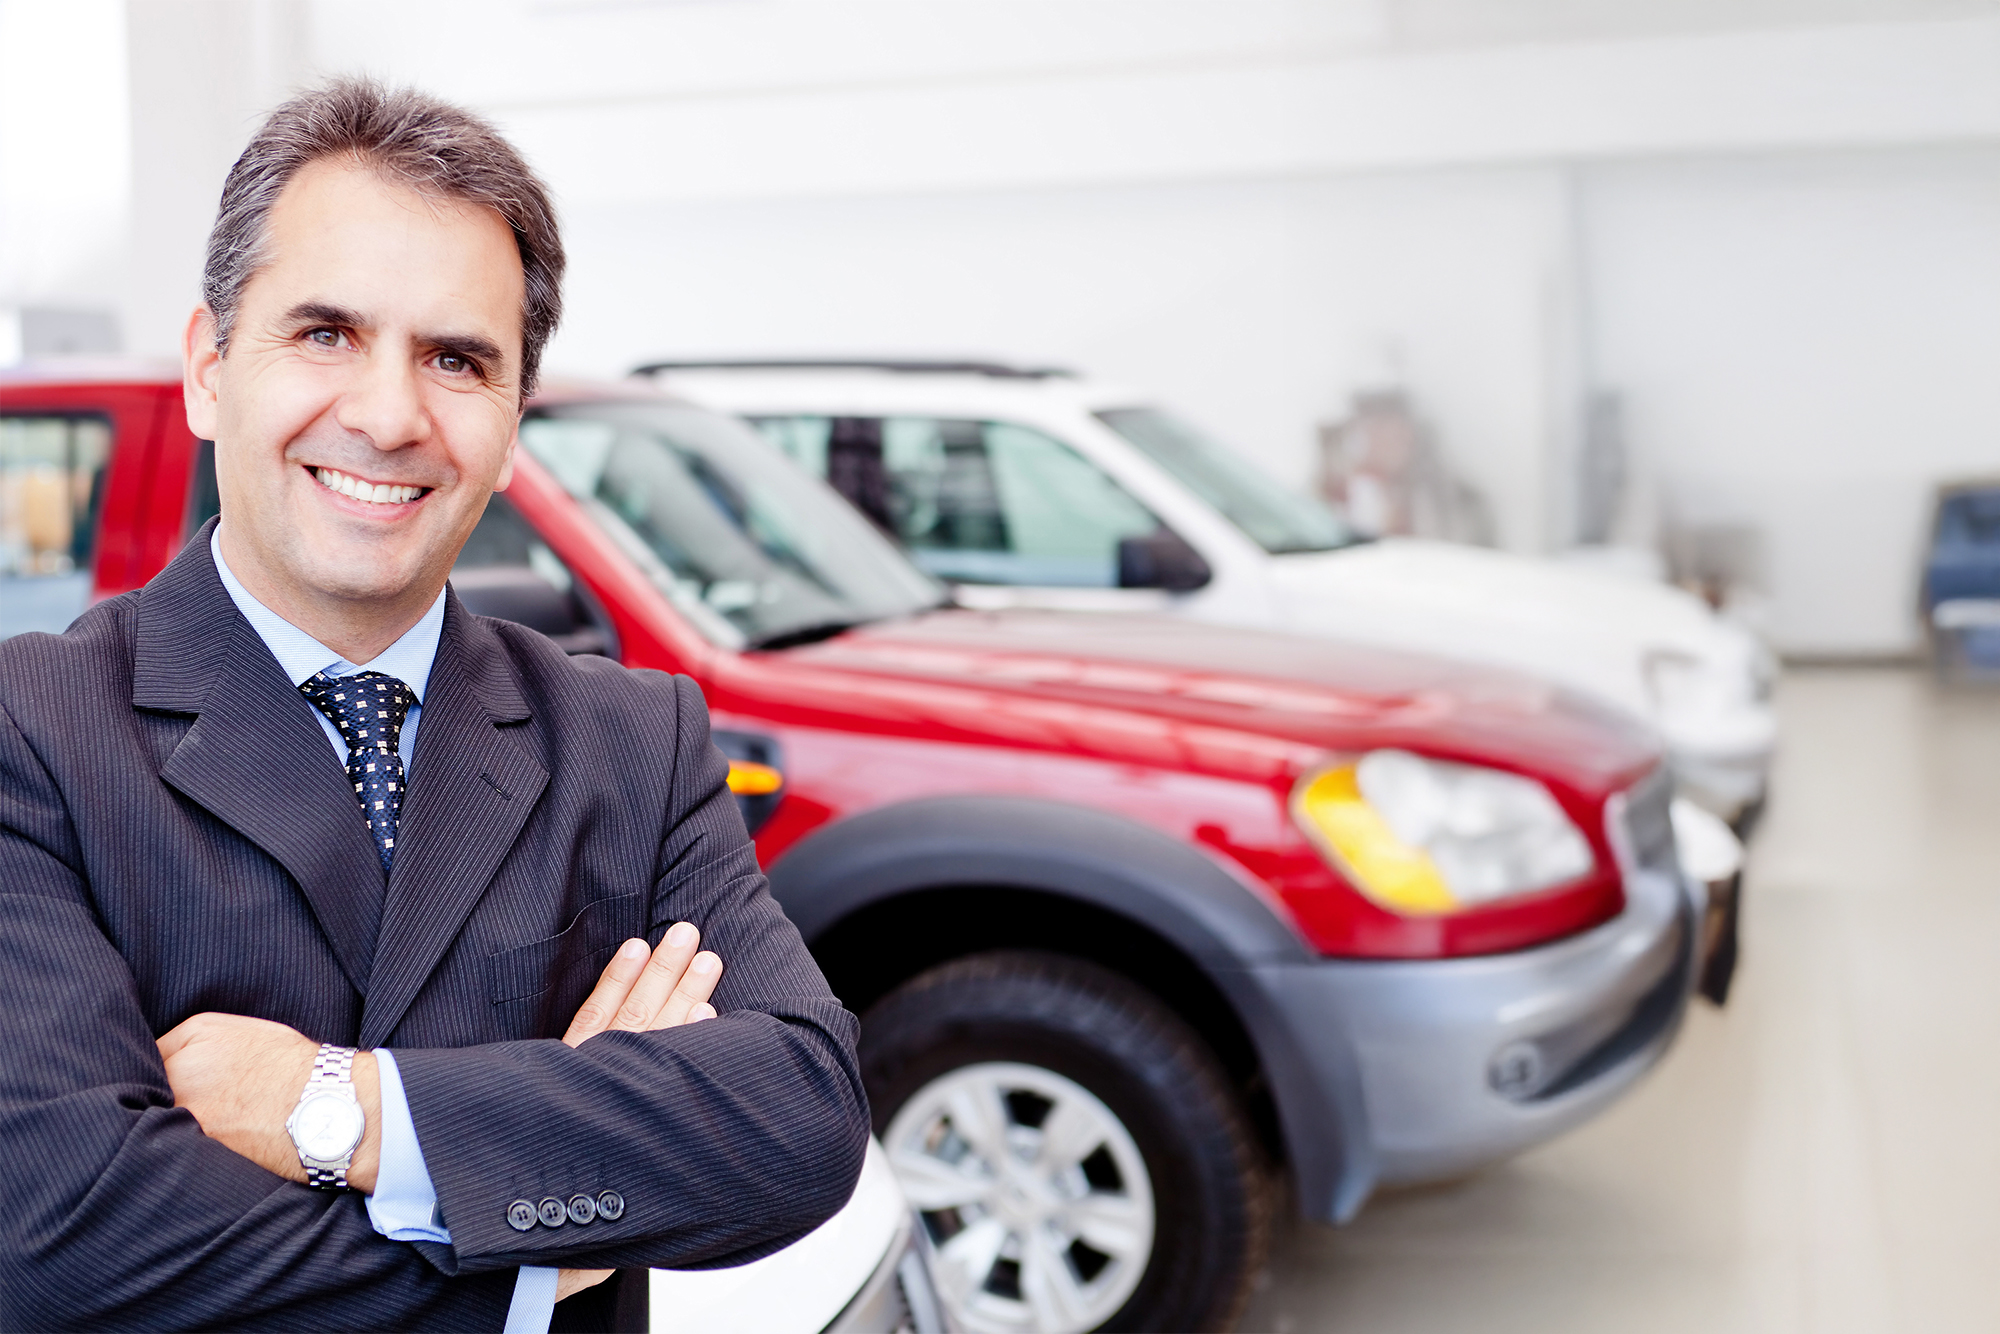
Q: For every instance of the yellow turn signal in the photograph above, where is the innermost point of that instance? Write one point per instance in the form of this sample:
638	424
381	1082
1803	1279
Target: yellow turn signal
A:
753	780
1329	807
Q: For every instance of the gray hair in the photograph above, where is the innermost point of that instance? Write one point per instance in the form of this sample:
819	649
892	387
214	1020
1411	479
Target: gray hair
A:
434	148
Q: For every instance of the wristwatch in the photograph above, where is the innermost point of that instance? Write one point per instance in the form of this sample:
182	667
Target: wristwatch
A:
327	1125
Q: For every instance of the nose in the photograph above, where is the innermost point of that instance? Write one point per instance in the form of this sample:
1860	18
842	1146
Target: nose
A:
385	402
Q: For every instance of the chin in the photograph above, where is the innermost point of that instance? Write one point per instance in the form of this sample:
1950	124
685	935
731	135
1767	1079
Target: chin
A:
366	576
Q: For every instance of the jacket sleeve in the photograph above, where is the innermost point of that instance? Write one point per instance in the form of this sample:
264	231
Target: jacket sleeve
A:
723	1140
120	1212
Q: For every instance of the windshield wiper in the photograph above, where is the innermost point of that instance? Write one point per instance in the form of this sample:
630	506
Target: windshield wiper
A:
802	634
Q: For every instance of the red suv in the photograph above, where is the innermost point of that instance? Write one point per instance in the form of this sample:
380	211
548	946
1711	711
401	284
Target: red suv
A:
1133	910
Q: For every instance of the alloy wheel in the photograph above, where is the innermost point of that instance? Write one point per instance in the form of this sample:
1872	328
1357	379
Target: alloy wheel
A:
1035	1199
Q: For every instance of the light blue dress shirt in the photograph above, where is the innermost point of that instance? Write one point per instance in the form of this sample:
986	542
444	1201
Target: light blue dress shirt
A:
404	1205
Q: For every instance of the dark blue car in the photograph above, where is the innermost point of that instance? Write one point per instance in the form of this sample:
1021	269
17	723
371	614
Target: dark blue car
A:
1962	579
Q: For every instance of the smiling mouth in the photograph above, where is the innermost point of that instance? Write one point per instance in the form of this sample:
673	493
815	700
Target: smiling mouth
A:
373	493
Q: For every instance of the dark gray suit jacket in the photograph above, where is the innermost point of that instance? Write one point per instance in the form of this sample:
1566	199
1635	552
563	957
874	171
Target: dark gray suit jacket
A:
176	836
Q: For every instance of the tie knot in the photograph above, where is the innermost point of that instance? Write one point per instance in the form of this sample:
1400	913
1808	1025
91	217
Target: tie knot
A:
367	708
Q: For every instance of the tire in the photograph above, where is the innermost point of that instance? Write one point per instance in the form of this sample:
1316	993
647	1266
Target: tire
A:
1075	1151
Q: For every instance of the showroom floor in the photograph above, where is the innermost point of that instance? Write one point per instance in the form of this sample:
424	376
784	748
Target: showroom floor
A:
1822	1156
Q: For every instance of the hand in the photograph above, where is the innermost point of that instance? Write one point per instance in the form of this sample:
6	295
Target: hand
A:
241	1078
636	994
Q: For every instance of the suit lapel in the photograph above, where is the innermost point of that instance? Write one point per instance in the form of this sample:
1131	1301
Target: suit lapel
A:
254	757
472	785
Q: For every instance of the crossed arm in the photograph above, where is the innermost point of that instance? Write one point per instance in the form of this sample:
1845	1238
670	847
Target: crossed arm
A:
726	1139
239	1077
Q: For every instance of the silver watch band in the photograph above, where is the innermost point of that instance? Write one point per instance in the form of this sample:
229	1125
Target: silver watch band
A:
332	1065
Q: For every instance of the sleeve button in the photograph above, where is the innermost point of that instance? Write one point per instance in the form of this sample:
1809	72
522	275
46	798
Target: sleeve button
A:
610	1204
521	1215
552	1212
582	1209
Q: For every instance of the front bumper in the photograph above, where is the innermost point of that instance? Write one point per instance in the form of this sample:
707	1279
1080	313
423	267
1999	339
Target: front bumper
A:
899	1297
1721	749
1430	1069
862	1271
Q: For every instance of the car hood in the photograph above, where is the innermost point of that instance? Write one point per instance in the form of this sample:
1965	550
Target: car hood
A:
1586	628
1170	690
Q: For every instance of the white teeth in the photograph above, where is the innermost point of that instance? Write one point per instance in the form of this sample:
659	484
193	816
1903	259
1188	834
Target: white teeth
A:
375	493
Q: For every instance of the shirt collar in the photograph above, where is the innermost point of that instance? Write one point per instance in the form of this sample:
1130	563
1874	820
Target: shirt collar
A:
299	655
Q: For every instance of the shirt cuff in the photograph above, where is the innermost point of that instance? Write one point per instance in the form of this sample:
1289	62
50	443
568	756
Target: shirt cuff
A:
404	1206
534	1301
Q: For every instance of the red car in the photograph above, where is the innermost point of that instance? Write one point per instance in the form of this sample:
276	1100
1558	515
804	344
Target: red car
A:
1132	909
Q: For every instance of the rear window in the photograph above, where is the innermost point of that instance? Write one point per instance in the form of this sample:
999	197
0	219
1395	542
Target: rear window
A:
1971	519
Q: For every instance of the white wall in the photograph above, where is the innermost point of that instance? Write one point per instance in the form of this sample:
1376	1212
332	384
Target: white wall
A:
1808	343
65	153
204	73
1768	223
1255	306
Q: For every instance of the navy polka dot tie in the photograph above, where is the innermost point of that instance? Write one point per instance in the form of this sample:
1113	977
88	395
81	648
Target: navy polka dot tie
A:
367	709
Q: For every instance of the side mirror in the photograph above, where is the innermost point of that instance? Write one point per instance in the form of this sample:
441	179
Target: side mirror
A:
1161	559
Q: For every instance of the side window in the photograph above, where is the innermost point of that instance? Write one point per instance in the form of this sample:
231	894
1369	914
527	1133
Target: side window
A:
51	490
507	571
51	486
804	439
976	502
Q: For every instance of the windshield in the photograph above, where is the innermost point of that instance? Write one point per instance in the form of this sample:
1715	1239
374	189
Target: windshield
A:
745	545
1275	518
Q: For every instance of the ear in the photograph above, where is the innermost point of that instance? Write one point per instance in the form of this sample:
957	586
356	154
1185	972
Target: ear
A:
201	369
506	476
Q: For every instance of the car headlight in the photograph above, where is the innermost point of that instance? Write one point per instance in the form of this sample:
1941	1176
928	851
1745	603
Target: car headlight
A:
1423	837
1684	686
1675	681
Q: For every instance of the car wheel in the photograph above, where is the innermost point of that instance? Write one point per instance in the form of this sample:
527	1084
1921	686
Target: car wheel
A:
1075	1152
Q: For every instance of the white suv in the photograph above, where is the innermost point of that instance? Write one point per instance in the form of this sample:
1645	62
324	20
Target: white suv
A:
1034	488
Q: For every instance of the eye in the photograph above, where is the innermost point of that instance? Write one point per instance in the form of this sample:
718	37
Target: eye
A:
452	364
323	337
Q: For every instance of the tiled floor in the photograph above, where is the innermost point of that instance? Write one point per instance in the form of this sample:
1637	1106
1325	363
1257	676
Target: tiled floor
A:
1822	1156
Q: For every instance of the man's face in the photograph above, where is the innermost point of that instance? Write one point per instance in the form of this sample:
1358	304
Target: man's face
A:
368	402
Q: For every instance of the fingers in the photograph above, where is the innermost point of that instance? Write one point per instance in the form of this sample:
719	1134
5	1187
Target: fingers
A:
696	985
572	1281
178	1037
601	1006
640	991
663	973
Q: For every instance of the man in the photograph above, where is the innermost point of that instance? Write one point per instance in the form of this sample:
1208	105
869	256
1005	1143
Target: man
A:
350	941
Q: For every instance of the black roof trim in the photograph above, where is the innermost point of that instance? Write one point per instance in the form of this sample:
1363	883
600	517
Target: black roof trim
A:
993	369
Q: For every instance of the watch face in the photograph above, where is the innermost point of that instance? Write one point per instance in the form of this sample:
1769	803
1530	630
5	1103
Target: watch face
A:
327	1126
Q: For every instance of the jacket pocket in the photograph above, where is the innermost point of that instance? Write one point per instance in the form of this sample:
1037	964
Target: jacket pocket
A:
587	943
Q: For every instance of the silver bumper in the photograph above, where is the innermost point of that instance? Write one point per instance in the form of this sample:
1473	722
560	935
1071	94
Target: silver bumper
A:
1465	1061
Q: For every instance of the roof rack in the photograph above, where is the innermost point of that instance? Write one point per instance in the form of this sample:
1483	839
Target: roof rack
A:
993	369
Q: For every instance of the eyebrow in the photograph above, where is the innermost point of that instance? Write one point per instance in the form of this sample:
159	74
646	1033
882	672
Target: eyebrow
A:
472	347
321	312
